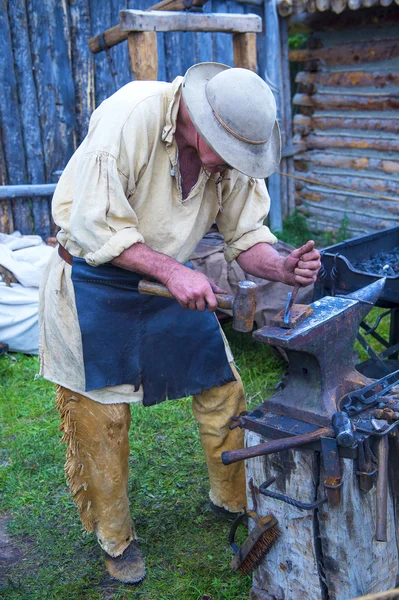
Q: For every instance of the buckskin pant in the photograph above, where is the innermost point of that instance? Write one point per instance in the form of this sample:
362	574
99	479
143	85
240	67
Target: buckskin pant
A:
97	457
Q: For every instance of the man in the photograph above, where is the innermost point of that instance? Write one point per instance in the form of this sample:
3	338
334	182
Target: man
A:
161	162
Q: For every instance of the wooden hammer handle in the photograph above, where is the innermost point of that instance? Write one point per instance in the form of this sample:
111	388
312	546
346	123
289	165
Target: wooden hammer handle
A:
157	289
232	456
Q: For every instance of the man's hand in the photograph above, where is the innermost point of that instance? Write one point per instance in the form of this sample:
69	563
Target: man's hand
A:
302	265
192	290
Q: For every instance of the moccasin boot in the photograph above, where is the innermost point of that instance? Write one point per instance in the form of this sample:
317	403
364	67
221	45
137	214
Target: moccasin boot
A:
129	567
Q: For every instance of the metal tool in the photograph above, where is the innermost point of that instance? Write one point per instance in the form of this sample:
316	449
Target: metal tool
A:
368	396
243	304
290	301
343	429
382	491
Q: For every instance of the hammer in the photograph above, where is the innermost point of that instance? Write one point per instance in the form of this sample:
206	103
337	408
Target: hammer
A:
243	304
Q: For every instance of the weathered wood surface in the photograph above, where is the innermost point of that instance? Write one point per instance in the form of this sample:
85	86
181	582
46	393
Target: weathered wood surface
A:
114	35
374	183
244	45
143	54
12	135
319	197
332	217
329	552
308	160
349	78
24	191
347	54
304	124
135	20
6	222
336	101
323	142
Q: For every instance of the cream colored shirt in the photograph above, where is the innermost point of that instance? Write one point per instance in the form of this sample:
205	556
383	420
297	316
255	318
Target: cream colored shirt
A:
123	186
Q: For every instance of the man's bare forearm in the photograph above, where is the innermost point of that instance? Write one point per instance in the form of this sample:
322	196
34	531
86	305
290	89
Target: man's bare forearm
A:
262	260
142	259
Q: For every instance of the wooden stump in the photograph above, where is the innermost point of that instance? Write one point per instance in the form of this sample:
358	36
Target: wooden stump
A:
325	554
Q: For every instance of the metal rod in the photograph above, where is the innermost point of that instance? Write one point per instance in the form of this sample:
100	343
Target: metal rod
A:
382	491
26	191
231	456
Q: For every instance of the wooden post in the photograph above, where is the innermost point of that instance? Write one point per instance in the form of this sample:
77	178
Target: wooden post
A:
329	552
244	45
143	54
272	77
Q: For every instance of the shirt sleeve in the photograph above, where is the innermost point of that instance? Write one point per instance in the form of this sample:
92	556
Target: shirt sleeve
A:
103	223
241	221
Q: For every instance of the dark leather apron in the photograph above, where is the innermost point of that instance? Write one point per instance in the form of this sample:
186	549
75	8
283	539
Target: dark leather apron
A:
129	338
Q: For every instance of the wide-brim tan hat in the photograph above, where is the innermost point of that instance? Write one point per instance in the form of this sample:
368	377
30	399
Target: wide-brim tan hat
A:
234	111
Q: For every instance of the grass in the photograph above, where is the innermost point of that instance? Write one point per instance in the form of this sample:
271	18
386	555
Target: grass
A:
185	545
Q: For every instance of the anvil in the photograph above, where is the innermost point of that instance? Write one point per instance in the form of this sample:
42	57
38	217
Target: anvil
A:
320	357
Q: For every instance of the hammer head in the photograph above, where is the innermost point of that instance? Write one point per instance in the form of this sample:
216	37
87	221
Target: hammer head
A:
244	306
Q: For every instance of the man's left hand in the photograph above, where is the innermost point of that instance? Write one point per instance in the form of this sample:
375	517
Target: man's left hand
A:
302	265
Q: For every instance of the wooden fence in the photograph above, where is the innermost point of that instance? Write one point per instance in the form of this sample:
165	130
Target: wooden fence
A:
52	83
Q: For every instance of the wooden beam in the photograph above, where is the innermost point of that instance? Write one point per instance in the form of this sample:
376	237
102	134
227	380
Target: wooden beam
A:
113	36
244	45
304	124
347	54
27	191
306	161
139	20
143	54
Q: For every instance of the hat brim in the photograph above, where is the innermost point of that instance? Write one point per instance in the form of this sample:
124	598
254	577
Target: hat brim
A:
255	160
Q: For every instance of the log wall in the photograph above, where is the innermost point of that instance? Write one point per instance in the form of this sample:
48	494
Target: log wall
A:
52	83
346	126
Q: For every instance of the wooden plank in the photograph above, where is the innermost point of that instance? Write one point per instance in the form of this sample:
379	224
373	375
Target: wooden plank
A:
12	138
307	160
82	65
222	42
244	45
304	124
143	54
136	20
204	42
33	149
329	141
349	78
288	163
348	102
120	54
347	54
173	57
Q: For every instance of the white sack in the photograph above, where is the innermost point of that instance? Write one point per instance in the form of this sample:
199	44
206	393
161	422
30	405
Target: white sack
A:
25	256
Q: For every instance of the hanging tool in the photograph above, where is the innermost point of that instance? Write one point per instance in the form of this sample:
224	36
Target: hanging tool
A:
243	304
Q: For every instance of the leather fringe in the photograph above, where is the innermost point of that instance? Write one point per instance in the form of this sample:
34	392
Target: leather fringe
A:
74	469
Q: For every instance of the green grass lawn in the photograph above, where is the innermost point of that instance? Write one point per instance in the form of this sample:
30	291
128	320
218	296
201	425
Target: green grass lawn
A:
186	546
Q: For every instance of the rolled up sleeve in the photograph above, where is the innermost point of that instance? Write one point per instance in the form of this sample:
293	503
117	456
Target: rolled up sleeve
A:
103	222
242	218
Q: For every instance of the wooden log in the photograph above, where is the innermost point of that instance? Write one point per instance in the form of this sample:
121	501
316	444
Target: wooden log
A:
355	20
322	5
33	149
6	221
304	124
307	160
244	45
143	54
355	204
82	64
318	552
333	141
349	78
347	54
104	85
338	6
331	214
136	20
288	164
384	186
285	8
11	126
348	101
